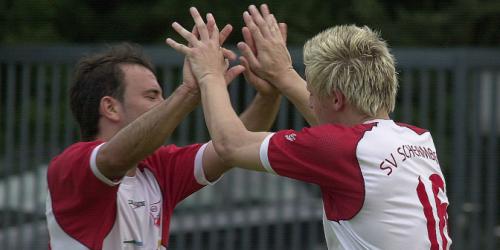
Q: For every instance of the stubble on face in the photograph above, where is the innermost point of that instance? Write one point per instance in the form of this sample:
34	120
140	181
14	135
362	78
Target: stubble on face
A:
142	91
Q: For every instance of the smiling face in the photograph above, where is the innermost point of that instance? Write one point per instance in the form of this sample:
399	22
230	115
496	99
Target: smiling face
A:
142	92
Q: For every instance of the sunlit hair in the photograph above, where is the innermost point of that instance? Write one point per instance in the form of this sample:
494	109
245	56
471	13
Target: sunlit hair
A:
356	62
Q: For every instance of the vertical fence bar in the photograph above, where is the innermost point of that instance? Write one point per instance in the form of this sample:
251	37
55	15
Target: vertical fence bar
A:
183	128
263	224
407	95
492	165
39	152
474	229
180	138
247	182
312	230
3	147
69	125
24	154
283	123
167	84
296	242
441	115
424	98
55	110
459	149
9	151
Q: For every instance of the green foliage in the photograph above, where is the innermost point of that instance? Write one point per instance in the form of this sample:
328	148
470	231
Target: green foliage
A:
402	23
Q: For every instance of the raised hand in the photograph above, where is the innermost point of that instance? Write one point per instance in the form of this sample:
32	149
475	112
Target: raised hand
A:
267	56
230	74
262	86
265	44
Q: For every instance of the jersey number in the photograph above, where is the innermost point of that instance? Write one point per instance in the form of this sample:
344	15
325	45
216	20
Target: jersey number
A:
437	184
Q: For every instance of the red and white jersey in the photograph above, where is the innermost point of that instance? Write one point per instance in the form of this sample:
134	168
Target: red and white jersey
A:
381	182
86	210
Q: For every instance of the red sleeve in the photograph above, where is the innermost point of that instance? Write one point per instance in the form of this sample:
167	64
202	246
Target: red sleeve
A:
323	155
174	168
80	201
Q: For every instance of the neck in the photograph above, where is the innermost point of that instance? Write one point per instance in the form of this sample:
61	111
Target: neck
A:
365	118
355	117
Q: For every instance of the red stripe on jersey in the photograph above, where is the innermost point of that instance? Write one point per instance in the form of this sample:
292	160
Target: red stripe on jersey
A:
417	130
438	183
431	223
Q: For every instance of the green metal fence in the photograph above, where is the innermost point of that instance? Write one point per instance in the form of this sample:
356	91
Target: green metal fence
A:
455	93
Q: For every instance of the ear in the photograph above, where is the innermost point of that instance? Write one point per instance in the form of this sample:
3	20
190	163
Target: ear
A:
109	108
338	100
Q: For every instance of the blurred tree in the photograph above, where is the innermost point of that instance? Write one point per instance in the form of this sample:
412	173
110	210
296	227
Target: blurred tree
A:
402	22
28	21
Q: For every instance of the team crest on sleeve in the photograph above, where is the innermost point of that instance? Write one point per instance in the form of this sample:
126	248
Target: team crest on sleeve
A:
155	212
291	137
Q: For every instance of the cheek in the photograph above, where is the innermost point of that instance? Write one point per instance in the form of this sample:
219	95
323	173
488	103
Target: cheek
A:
134	110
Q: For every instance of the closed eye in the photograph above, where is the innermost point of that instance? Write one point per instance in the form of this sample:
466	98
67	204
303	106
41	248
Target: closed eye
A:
152	94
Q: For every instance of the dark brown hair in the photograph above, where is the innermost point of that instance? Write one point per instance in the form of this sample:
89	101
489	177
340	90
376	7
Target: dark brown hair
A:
100	75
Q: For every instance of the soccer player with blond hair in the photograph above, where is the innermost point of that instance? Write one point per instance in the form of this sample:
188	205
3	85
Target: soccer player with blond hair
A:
381	183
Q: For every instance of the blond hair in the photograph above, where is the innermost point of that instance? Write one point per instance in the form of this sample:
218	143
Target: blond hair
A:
356	62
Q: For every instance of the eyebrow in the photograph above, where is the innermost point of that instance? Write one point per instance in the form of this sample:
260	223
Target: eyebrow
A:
153	91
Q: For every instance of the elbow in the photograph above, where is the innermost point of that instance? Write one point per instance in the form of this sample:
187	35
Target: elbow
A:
227	150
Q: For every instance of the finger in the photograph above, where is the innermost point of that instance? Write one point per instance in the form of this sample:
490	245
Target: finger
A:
264	9
284	31
233	72
250	76
254	30
273	26
178	46
247	73
244	62
210	24
229	54
184	33
224	33
226	64
215	34
195	33
247	37
200	24
259	20
248	54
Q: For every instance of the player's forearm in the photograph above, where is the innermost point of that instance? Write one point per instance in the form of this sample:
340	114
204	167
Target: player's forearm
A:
294	88
144	135
224	126
261	113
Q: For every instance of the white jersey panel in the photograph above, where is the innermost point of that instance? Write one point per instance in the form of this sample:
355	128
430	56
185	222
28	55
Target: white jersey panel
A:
139	209
393	160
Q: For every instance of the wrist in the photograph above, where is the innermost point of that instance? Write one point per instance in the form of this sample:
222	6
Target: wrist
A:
269	96
210	79
287	81
190	94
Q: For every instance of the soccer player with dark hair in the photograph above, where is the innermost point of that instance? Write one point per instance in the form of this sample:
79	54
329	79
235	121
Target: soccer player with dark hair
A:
118	187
